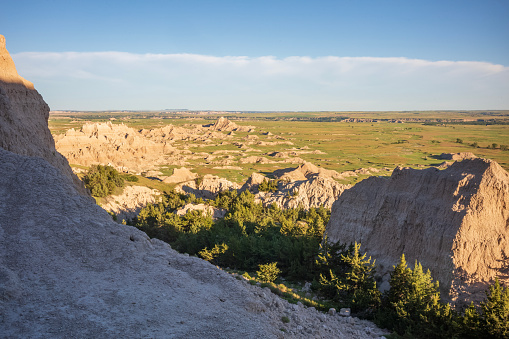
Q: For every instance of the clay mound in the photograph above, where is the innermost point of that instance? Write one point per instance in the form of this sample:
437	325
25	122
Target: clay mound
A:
180	175
225	125
214	212
127	205
314	192
454	221
304	172
457	156
208	188
24	118
253	181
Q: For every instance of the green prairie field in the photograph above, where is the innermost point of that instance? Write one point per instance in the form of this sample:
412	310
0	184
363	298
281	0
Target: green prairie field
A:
341	146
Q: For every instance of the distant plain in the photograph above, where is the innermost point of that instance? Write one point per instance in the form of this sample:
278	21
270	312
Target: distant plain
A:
393	139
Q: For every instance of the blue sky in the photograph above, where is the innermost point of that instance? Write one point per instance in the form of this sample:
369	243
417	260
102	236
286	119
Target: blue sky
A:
263	55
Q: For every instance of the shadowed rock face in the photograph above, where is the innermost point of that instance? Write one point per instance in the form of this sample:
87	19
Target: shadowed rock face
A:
455	222
24	118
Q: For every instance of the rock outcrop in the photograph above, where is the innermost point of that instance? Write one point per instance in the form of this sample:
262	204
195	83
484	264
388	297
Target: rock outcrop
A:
314	192
24	119
215	213
457	156
118	145
454	221
180	175
208	187
223	124
68	271
127	206
297	189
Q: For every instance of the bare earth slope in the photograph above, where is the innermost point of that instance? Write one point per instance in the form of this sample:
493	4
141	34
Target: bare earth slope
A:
455	222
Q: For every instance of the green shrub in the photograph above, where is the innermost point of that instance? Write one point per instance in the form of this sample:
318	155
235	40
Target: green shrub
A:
492	319
268	185
209	255
102	180
268	272
412	306
131	178
350	282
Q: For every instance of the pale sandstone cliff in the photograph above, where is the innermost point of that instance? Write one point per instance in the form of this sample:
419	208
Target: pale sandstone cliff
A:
455	222
68	271
24	118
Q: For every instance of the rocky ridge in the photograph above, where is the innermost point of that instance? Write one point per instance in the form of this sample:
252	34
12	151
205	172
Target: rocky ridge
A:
454	221
24	118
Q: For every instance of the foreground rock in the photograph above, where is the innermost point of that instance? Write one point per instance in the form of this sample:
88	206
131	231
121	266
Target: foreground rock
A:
68	271
455	222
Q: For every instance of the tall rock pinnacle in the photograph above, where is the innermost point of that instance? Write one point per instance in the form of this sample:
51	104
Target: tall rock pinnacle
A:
24	118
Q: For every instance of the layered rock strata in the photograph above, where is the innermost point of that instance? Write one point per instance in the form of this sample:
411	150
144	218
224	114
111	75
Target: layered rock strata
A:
454	221
24	119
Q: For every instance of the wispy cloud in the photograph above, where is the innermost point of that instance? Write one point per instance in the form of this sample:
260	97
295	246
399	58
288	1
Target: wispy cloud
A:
106	80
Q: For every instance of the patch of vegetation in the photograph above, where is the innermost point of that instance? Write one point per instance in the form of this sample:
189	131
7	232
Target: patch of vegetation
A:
268	272
102	180
268	185
131	178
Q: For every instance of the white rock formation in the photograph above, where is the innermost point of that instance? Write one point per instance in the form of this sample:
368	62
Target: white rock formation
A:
127	206
215	213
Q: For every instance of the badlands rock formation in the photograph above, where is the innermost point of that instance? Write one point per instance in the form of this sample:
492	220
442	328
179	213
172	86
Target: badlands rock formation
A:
127	206
133	150
454	221
118	145
68	271
306	186
223	124
180	175
215	213
24	119
208	188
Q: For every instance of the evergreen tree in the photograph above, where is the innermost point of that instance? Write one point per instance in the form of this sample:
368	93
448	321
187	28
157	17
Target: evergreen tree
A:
412	305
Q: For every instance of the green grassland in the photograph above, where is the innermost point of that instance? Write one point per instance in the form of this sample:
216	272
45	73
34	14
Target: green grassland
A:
345	145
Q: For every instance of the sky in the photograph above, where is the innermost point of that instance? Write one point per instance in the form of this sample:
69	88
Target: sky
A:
262	55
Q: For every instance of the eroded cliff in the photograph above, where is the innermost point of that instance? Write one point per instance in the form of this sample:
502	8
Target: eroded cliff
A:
454	221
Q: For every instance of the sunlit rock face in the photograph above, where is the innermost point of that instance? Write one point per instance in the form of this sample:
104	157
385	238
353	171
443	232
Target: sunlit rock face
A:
454	221
24	118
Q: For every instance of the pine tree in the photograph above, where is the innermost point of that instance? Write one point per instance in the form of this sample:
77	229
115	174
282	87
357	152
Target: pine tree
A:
412	305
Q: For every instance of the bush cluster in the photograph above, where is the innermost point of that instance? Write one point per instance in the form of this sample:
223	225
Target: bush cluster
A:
102	180
268	185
